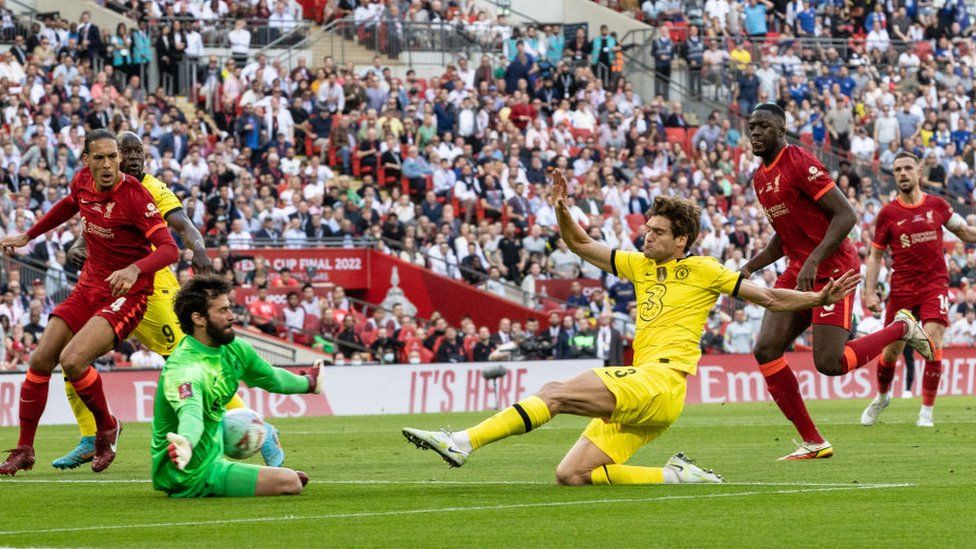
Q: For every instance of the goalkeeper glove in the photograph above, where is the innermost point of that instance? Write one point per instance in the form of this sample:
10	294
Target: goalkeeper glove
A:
314	377
179	450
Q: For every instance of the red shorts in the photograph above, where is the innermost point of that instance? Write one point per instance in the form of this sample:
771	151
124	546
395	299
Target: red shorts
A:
122	313
838	314
928	305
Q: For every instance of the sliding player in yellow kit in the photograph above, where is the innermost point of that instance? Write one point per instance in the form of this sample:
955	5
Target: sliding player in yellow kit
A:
159	330
632	406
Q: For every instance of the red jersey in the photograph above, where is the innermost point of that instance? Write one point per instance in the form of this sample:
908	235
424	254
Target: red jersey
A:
788	190
264	310
914	234
117	225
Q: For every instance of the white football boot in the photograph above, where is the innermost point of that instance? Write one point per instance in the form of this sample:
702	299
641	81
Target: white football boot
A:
870	415
682	469
438	441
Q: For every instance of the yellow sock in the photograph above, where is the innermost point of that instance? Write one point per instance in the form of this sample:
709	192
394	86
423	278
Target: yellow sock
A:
521	417
627	474
86	421
235	402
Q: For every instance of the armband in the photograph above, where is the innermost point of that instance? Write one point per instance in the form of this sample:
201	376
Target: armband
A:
955	222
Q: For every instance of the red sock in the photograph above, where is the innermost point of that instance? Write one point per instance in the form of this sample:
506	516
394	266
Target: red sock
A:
930	379
859	352
886	374
89	389
33	399
785	390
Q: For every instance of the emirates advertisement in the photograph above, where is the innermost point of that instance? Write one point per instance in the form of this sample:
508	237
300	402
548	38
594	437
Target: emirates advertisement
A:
439	388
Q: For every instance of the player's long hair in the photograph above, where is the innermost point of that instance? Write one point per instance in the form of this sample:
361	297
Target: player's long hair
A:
684	215
195	297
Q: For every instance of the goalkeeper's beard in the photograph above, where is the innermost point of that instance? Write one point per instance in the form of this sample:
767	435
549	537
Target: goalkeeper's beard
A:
220	336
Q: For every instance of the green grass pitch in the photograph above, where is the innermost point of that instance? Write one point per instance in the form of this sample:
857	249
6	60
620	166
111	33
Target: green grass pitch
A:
892	485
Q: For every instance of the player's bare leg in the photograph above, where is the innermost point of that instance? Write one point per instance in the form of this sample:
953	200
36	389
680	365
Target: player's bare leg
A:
33	393
279	481
583	395
94	339
778	331
578	464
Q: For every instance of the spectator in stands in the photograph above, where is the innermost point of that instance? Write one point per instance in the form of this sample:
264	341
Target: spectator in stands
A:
385	348
450	349
962	333
740	336
483	348
144	358
348	338
294	315
263	312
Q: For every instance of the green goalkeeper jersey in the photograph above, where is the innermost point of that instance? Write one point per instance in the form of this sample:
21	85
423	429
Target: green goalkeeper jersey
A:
194	386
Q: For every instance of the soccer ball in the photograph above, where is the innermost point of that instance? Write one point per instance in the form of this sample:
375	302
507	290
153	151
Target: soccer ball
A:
243	433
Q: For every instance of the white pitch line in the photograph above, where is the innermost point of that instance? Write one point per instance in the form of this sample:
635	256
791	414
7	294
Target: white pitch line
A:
384	482
690	423
437	510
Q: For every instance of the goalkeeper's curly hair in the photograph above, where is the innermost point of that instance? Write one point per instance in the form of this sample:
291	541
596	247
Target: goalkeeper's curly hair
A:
195	297
684	215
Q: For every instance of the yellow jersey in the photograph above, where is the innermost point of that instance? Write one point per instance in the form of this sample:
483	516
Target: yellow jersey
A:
167	203
673	301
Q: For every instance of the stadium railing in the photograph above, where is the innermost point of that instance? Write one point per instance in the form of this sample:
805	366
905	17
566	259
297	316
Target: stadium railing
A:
414	43
24	15
57	283
263	34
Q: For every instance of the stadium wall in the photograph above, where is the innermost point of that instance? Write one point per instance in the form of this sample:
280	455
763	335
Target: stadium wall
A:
369	274
438	388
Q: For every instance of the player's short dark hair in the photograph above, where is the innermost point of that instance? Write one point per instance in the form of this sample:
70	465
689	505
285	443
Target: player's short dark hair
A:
684	215
195	297
97	135
906	154
290	294
771	108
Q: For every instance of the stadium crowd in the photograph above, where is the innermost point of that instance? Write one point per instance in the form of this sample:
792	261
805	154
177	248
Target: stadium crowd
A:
450	172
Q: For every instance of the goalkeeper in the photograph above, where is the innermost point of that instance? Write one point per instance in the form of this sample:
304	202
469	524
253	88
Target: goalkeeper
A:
199	378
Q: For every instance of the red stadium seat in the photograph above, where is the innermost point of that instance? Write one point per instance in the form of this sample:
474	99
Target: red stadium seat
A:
923	49
634	221
677	135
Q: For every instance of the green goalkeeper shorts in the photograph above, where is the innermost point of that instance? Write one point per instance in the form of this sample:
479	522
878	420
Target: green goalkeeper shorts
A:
232	479
224	479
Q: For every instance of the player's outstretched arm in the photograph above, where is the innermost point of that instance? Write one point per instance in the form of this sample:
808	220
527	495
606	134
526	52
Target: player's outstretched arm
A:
186	397
62	211
192	239
572	234
873	263
781	300
959	227
258	373
769	254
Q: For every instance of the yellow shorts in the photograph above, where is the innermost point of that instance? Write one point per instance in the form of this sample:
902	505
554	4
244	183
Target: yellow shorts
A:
160	330
649	400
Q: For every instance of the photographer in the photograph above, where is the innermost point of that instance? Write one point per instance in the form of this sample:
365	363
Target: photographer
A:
522	347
